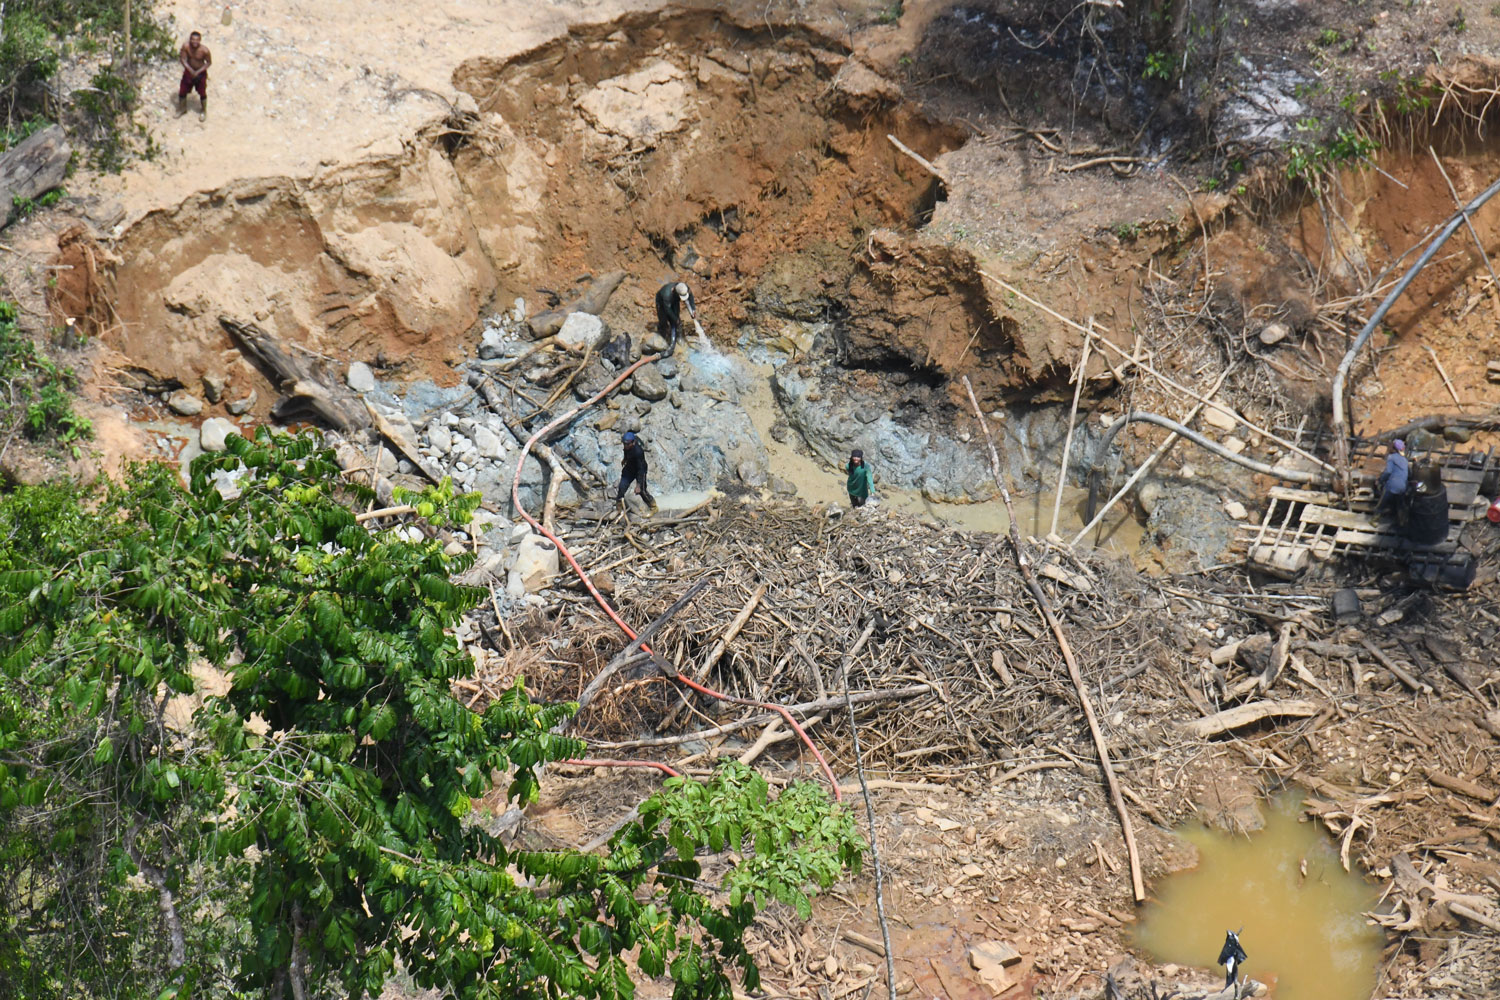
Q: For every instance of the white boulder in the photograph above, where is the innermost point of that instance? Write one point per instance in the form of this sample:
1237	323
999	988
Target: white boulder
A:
534	566
213	432
581	331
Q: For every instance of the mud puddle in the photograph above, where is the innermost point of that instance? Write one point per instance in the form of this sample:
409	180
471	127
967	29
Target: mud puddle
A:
818	483
1299	914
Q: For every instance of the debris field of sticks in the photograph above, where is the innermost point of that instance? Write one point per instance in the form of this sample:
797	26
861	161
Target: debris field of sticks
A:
1210	692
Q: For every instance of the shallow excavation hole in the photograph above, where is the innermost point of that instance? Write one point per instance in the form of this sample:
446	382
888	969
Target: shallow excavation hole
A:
1282	888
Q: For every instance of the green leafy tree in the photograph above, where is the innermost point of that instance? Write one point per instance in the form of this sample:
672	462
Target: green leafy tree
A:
231	762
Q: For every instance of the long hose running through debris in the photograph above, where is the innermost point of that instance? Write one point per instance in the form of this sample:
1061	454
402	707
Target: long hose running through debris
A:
515	499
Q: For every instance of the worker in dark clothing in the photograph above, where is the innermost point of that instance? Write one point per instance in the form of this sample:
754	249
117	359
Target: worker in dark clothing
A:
670	299
1231	956
1393	479
633	470
858	481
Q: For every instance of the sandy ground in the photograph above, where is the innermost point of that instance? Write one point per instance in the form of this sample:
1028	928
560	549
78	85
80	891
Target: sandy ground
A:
297	87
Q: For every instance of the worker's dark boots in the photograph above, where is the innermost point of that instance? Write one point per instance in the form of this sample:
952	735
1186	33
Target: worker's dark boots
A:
181	105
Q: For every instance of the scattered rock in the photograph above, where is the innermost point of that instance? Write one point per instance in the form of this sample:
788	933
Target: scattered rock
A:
1233	445
863	88
648	384
1149	494
640	106
654	344
440	438
1236	510
1458	435
1274	333
534	567
604	582
783	487
491	345
185	403
213	432
213	386
488	442
240	407
752	474
1220	416
989	959
581	331
360	378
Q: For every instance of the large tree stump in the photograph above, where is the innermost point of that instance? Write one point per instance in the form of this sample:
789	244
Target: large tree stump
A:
593	301
308	390
34	167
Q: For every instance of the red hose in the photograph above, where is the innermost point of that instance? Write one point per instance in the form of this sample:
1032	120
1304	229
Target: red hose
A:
515	499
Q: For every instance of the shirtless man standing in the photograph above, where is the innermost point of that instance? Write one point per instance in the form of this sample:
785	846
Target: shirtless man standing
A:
195	59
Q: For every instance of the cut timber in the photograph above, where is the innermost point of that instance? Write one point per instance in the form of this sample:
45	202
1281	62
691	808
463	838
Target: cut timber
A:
1462	786
1338	518
1067	578
593	301
34	167
306	389
1247	715
1492	371
1285	562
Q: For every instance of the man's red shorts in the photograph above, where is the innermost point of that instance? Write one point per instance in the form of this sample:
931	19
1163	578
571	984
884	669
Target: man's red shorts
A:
191	82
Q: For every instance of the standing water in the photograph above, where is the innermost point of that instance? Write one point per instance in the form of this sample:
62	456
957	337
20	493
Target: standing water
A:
1301	913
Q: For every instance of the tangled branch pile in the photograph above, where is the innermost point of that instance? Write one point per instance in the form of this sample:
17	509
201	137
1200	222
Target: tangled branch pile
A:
958	668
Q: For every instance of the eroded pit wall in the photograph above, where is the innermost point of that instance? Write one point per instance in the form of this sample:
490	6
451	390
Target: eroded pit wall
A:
753	161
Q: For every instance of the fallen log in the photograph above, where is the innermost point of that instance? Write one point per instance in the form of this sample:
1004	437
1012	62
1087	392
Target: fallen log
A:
1245	715
593	301
486	390
1462	786
306	388
1402	675
34	167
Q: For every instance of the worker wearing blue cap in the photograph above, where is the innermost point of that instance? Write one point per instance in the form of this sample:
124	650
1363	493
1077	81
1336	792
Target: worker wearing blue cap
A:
1393	479
633	470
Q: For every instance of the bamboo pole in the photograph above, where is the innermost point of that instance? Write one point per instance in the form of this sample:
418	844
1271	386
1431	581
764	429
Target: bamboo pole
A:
1078	379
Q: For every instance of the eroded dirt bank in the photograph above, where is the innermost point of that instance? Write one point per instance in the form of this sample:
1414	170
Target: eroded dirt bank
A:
760	167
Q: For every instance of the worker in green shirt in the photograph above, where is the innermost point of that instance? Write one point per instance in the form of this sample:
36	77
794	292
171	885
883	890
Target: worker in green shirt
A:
859	478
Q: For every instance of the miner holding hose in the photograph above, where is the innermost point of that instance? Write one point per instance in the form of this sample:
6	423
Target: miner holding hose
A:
670	299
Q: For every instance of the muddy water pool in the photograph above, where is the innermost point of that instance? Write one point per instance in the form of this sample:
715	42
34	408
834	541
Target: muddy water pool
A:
1301	913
